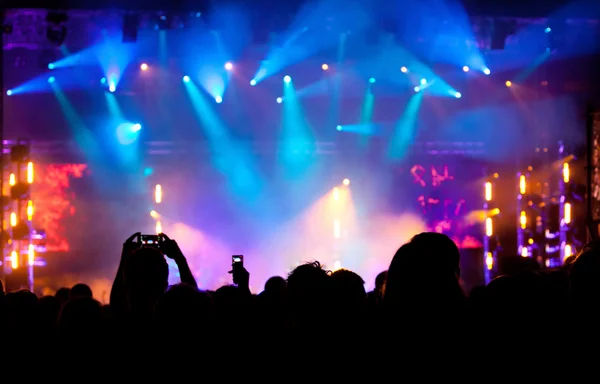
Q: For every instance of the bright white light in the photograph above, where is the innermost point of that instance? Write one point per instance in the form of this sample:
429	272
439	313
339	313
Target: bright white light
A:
186	79
112	88
279	100
287	79
339	127
423	81
346	182
465	69
51	79
144	67
253	82
136	127
228	66
457	95
51	66
417	89
486	71
8	93
403	69
219	99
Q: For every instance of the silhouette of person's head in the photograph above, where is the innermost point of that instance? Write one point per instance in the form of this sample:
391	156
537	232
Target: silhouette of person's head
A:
423	271
185	308
62	295
146	277
275	286
348	293
80	290
309	292
81	320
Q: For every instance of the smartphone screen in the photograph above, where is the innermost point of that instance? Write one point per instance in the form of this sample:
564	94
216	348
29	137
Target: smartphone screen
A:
237	259
149	240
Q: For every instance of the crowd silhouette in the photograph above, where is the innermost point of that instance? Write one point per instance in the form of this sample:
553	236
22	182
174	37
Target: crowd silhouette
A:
312	317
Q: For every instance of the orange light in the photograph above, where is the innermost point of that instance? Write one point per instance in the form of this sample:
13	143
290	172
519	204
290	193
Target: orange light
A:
30	172
14	260
30	210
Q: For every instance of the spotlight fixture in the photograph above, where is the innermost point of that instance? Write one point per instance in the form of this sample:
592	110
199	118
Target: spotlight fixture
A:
287	79
508	83
346	182
339	127
144	67
324	67
218	99
279	100
403	69
186	79
486	71
228	66
253	82
416	89
9	92
465	69
51	79
423	81
372	80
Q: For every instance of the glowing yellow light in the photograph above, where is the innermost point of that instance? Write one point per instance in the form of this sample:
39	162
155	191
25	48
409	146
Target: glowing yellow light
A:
566	173
154	214
523	220
158	194
567	213
346	182
494	212
12	180
336	193
525	252
30	172
488	191
324	67
508	83
30	210
14	260
489	261
337	265
336	229
159	228
31	254
568	251
13	219
522	185
489	229
530	241
144	67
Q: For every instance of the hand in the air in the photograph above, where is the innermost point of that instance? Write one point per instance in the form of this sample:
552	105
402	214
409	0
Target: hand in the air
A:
170	247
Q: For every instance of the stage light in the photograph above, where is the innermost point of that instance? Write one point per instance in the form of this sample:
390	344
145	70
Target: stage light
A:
465	69
324	67
423	81
279	100
228	66
154	214
486	71
372	80
508	83
287	79
158	193
103	80
548	30
112	88
253	82
417	89
51	66
186	79
403	69
346	182
339	127
218	99
51	79
458	95
136	127
144	67
9	92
